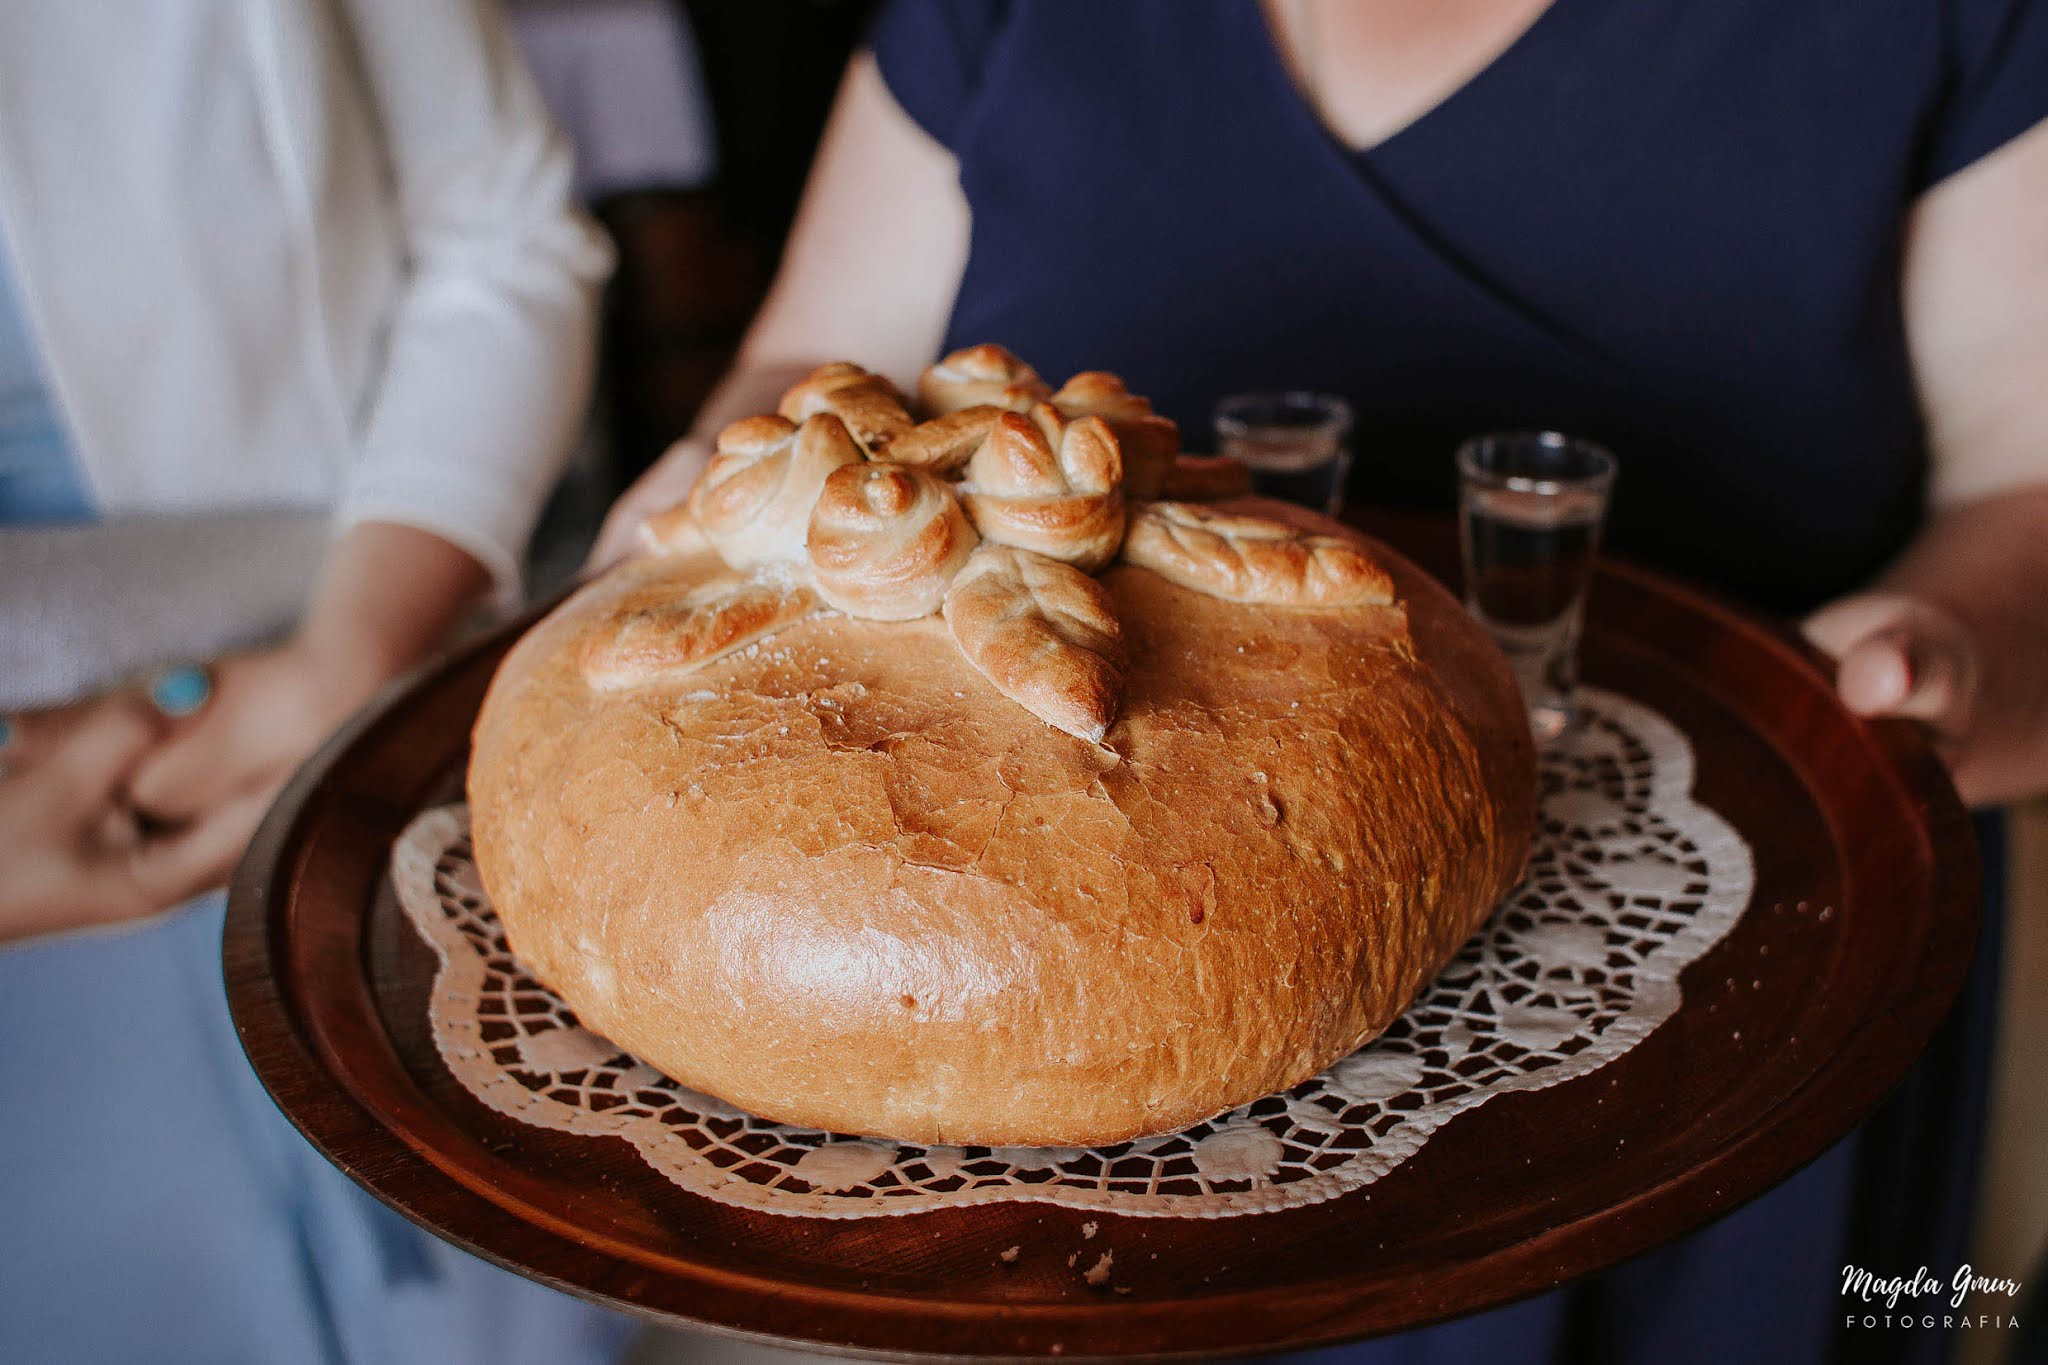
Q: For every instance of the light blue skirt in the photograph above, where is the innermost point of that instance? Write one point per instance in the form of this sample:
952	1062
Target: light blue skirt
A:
155	1206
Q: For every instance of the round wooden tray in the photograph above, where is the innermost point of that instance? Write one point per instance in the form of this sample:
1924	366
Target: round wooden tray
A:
1866	900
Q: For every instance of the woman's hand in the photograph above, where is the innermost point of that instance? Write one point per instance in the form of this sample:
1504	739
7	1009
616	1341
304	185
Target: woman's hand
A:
215	772
1975	295
1898	656
667	482
74	854
111	810
1956	636
388	595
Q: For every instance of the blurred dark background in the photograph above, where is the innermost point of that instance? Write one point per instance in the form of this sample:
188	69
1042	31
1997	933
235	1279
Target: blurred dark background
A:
694	260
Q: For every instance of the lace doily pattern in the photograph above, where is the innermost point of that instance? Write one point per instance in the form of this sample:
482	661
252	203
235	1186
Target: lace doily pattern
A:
1629	881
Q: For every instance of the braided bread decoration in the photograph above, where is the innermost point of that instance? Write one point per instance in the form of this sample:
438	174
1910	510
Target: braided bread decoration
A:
1149	441
872	408
885	540
754	500
947	442
1044	633
658	637
1005	551
984	375
1047	485
1250	559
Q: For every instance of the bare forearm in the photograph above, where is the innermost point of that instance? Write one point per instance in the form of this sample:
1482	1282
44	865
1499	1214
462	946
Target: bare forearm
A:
387	596
858	282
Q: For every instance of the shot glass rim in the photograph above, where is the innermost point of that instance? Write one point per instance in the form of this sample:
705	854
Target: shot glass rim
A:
1600	479
1337	414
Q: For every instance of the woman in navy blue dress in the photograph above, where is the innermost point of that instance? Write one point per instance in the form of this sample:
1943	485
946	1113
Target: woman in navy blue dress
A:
1789	260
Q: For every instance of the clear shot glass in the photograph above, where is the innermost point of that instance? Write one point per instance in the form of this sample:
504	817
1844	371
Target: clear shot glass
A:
1530	508
1298	445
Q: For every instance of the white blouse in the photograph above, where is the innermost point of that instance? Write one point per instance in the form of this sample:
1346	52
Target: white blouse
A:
297	253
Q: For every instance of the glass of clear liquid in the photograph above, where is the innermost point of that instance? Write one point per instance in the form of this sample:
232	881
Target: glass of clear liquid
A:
1530	508
1298	445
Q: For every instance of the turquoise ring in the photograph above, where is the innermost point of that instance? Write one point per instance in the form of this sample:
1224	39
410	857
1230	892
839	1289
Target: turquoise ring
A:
10	734
180	690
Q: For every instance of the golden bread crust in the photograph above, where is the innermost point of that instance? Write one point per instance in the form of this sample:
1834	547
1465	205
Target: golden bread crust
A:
1044	633
754	501
836	878
885	540
984	375
872	408
660	633
1149	440
944	444
1254	559
1050	486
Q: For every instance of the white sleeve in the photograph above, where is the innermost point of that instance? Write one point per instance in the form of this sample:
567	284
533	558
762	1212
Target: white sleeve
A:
492	343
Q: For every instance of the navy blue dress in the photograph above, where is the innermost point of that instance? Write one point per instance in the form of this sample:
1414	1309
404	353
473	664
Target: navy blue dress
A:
1671	226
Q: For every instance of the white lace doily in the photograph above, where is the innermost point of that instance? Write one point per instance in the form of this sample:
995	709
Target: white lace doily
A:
1629	881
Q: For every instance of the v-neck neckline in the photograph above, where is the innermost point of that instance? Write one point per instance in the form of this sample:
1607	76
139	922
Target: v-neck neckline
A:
1372	179
1273	60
